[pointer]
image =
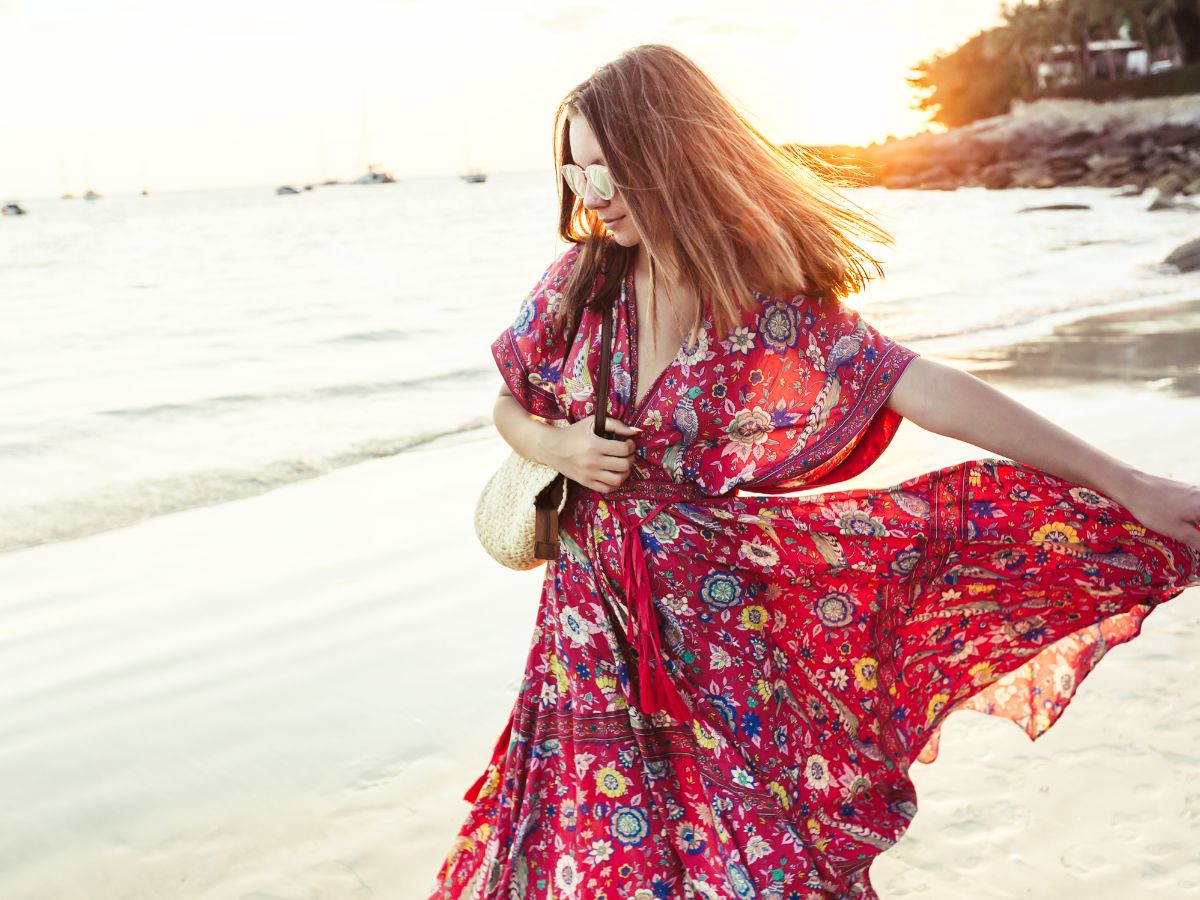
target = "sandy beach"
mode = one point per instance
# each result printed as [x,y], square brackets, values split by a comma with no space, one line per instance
[354,619]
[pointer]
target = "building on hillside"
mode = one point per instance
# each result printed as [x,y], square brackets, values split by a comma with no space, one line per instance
[1059,65]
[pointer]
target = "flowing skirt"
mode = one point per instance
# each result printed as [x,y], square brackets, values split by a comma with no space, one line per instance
[811,647]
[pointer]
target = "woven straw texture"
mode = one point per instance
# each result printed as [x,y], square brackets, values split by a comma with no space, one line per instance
[504,514]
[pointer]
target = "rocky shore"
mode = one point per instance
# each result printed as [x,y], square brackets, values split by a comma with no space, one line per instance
[1139,144]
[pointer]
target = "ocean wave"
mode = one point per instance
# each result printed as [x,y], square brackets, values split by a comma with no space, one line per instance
[210,405]
[123,504]
[382,334]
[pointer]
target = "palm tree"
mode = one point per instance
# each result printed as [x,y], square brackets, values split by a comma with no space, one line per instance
[1077,17]
[1023,34]
[1184,16]
[1107,16]
[1175,22]
[1035,27]
[1138,15]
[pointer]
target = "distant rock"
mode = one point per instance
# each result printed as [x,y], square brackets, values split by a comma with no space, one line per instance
[1186,257]
[1170,201]
[1134,144]
[1055,206]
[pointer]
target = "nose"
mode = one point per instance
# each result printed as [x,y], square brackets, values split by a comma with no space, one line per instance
[592,200]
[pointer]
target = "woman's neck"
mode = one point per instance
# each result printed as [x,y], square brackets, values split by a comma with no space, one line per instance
[673,301]
[659,274]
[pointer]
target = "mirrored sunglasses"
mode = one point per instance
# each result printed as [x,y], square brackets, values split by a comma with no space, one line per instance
[597,175]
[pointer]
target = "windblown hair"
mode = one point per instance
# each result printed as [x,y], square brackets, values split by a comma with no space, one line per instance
[717,204]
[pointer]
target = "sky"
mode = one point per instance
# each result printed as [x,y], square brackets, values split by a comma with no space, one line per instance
[117,95]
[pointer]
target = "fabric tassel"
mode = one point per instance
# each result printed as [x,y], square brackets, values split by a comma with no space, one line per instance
[656,691]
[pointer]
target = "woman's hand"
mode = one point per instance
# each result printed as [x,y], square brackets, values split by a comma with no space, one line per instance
[1164,505]
[595,462]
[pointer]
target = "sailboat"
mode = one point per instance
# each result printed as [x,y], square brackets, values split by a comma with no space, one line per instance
[373,177]
[472,174]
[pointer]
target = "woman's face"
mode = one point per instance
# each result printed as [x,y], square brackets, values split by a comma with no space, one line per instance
[585,150]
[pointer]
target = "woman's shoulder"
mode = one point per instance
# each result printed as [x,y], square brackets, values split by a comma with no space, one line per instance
[805,303]
[781,321]
[801,296]
[553,280]
[564,262]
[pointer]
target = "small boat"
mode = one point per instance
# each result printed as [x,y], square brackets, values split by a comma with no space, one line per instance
[475,176]
[286,189]
[91,195]
[373,177]
[12,209]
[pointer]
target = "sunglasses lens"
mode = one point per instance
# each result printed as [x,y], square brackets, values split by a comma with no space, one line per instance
[575,179]
[598,176]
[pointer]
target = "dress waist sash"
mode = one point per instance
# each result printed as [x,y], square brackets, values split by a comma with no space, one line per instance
[656,690]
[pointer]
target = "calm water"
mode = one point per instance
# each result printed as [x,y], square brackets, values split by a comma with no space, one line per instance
[186,349]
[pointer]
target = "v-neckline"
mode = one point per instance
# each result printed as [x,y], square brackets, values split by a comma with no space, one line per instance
[634,413]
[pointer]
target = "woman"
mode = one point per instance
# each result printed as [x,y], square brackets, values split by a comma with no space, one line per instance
[725,691]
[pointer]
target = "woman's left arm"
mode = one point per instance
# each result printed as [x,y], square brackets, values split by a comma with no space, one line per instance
[956,404]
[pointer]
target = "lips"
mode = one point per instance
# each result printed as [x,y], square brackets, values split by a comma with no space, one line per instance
[611,222]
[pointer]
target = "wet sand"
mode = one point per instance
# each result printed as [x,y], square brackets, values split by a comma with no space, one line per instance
[1158,346]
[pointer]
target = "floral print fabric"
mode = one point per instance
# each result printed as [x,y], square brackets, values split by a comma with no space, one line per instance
[816,642]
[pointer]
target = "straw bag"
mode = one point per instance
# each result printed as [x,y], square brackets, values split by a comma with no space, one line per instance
[516,517]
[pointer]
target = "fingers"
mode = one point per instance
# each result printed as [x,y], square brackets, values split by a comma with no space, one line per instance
[1191,535]
[618,449]
[604,482]
[1188,533]
[614,446]
[621,447]
[620,427]
[621,464]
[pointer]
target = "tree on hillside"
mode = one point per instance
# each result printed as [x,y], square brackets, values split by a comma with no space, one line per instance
[1184,16]
[981,77]
[1025,29]
[1031,29]
[1147,23]
[977,80]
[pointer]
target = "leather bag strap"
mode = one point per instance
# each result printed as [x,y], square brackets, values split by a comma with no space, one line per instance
[605,367]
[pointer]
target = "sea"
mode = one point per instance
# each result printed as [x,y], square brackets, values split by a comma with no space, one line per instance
[184,349]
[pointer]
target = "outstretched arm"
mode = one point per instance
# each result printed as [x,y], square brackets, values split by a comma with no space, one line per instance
[951,402]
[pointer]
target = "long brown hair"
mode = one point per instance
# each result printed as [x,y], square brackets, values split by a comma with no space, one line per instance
[715,202]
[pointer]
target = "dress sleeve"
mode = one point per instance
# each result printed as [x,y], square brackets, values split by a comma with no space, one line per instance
[844,424]
[529,352]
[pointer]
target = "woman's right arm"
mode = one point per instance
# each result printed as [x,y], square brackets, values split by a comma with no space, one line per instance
[584,457]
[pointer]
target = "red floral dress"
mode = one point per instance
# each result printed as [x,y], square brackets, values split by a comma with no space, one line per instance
[725,689]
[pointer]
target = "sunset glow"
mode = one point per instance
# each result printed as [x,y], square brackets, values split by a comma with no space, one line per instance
[261,92]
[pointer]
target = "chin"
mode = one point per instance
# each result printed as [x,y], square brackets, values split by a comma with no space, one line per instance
[624,239]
